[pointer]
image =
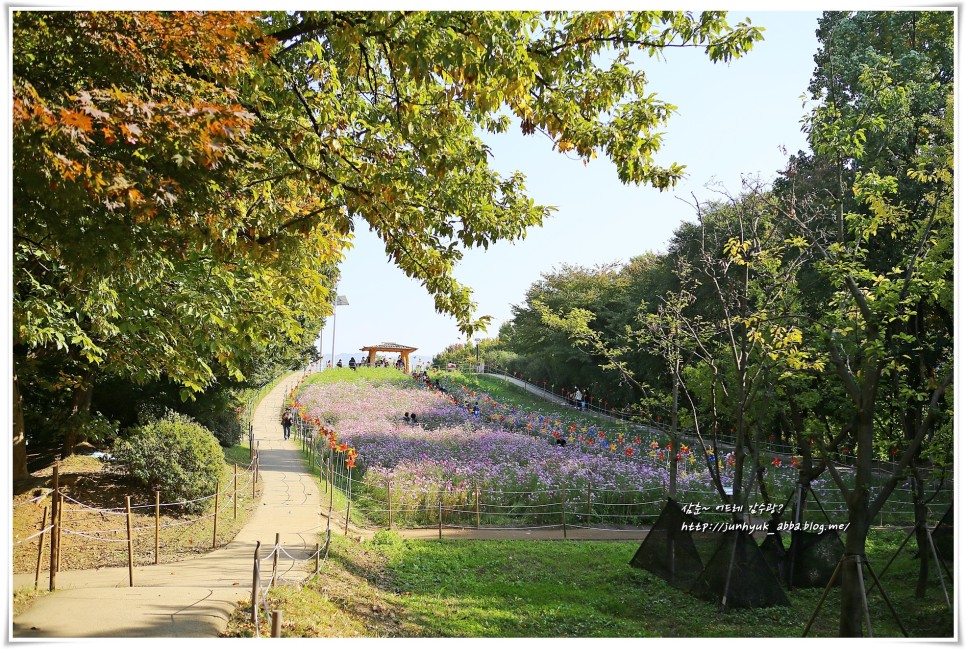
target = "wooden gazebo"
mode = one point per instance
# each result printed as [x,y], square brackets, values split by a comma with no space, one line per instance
[402,350]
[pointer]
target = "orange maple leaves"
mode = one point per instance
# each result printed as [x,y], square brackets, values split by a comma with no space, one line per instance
[154,103]
[74,119]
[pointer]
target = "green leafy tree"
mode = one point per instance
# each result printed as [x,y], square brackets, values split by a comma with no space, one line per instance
[549,351]
[185,179]
[127,261]
[746,262]
[882,240]
[493,354]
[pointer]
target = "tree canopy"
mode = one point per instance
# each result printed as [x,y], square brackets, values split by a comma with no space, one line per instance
[817,307]
[186,183]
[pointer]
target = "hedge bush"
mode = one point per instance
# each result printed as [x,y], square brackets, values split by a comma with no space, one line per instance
[174,454]
[226,426]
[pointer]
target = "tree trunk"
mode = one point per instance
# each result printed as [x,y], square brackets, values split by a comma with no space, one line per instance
[80,411]
[675,439]
[911,422]
[853,593]
[673,474]
[740,453]
[922,531]
[20,471]
[852,612]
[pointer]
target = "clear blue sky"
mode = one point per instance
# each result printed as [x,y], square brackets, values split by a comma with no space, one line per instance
[732,120]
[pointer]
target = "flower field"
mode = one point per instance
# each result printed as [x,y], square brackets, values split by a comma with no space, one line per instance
[473,461]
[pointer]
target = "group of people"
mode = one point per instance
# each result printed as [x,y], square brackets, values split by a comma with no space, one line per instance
[577,399]
[364,362]
[410,418]
[352,363]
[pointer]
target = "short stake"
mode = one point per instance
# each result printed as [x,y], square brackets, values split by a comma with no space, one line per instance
[130,542]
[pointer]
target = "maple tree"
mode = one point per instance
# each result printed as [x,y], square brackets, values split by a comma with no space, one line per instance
[128,257]
[186,183]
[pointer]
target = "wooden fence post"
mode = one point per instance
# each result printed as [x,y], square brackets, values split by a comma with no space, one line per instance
[130,543]
[234,498]
[55,530]
[255,586]
[348,506]
[587,515]
[276,624]
[275,558]
[330,469]
[214,533]
[157,524]
[477,506]
[318,551]
[40,547]
[389,500]
[563,513]
[441,517]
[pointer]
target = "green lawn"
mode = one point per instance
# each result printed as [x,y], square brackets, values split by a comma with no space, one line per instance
[374,375]
[509,392]
[392,587]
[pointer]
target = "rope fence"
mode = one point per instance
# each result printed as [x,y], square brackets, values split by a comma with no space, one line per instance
[70,518]
[264,580]
[367,502]
[482,507]
[61,517]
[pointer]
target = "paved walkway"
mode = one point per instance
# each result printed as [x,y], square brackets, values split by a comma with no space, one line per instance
[195,597]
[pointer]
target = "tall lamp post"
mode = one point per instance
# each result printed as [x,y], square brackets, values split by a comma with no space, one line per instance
[478,369]
[340,300]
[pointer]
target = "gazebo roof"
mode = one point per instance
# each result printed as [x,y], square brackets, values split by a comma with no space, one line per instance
[388,347]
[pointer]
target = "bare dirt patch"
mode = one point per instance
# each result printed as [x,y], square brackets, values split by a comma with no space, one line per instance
[94,533]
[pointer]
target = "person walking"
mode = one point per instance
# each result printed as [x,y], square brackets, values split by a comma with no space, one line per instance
[352,363]
[286,424]
[579,398]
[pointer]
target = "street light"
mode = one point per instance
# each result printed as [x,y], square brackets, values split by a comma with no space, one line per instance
[340,300]
[477,341]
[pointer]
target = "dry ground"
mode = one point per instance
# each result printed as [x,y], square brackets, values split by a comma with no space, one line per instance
[95,527]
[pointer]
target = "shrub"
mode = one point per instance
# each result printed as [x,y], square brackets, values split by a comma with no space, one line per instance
[226,426]
[174,454]
[219,410]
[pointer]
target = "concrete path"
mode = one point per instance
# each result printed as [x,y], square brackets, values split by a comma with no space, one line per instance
[193,598]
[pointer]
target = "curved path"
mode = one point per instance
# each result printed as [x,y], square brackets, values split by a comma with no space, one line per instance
[195,597]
